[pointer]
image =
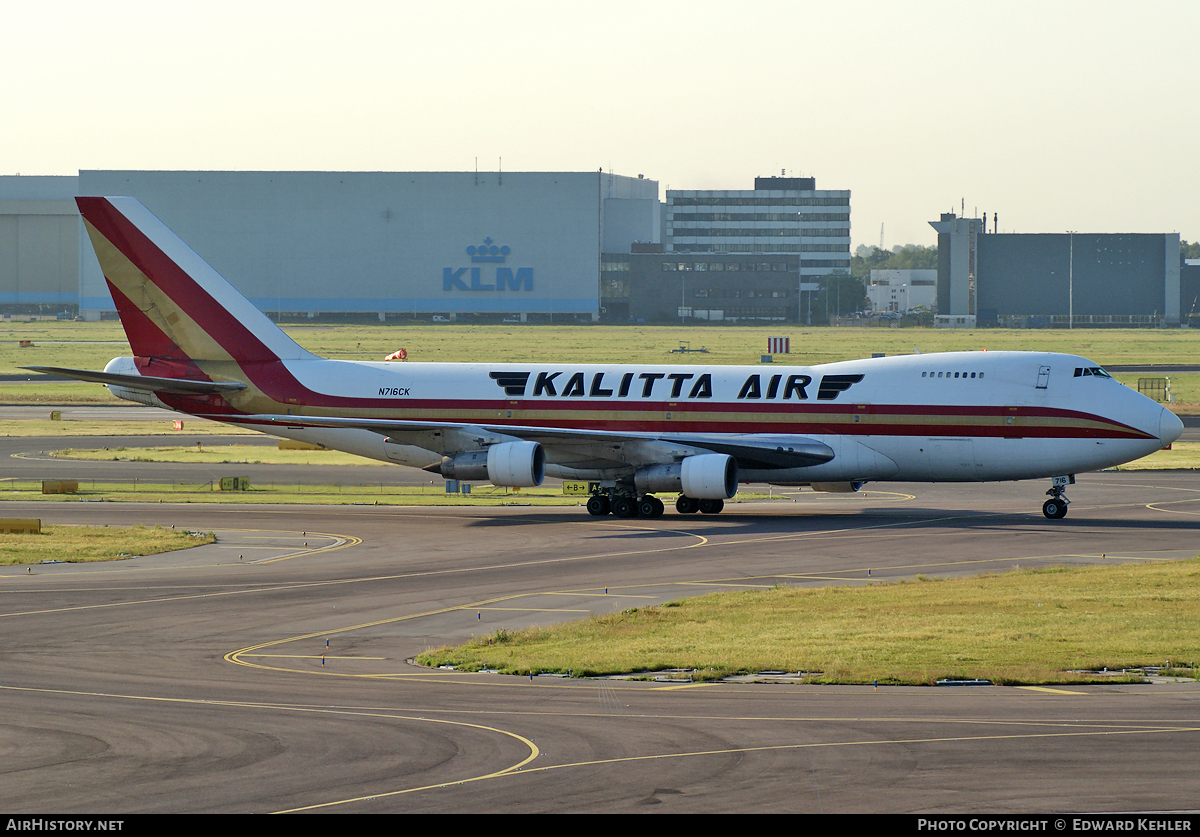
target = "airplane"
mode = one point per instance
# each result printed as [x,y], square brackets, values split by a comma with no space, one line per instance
[631,431]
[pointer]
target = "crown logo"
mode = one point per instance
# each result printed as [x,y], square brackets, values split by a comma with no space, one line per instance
[488,252]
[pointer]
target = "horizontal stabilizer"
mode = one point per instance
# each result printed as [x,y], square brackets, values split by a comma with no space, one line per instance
[144,383]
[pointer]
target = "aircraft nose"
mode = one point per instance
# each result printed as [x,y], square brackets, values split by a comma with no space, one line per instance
[1170,427]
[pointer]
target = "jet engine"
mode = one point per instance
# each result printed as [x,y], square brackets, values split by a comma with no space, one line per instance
[706,476]
[126,366]
[515,464]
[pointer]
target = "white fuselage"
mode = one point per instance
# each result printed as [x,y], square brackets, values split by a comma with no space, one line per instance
[963,416]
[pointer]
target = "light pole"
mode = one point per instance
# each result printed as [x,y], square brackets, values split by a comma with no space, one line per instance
[1071,284]
[799,290]
[682,295]
[799,272]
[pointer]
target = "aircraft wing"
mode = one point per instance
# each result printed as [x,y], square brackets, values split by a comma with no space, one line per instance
[143,383]
[581,448]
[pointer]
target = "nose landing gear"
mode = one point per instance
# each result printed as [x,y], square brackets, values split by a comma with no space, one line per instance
[1056,507]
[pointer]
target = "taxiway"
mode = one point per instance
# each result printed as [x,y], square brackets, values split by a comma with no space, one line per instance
[269,672]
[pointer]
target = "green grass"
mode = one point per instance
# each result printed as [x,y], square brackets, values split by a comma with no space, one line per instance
[1181,455]
[146,491]
[91,345]
[77,544]
[1034,626]
[219,455]
[119,427]
[1185,387]
[55,392]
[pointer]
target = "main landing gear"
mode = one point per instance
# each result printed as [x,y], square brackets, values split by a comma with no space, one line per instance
[1056,507]
[625,505]
[690,505]
[647,506]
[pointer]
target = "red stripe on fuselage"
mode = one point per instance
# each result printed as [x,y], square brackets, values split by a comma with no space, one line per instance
[675,428]
[804,421]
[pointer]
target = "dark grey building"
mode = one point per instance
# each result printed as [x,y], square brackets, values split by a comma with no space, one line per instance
[1122,279]
[663,287]
[1189,291]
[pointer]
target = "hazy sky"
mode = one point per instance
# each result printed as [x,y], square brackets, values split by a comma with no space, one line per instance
[1080,116]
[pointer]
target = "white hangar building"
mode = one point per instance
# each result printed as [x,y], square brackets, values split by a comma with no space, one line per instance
[379,243]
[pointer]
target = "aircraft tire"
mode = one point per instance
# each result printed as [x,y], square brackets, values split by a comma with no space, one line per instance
[650,507]
[1054,509]
[598,505]
[687,505]
[711,506]
[624,507]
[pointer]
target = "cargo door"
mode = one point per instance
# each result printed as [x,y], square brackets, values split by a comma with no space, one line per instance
[953,460]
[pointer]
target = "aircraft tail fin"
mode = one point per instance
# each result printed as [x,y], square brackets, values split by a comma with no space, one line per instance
[172,304]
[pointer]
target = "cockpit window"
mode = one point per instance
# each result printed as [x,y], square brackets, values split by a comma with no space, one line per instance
[1086,371]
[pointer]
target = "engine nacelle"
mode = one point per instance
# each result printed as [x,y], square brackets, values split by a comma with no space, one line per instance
[710,476]
[471,465]
[126,366]
[514,464]
[838,487]
[706,476]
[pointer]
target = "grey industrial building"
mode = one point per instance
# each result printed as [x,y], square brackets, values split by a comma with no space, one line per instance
[521,244]
[39,243]
[1057,279]
[546,245]
[515,244]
